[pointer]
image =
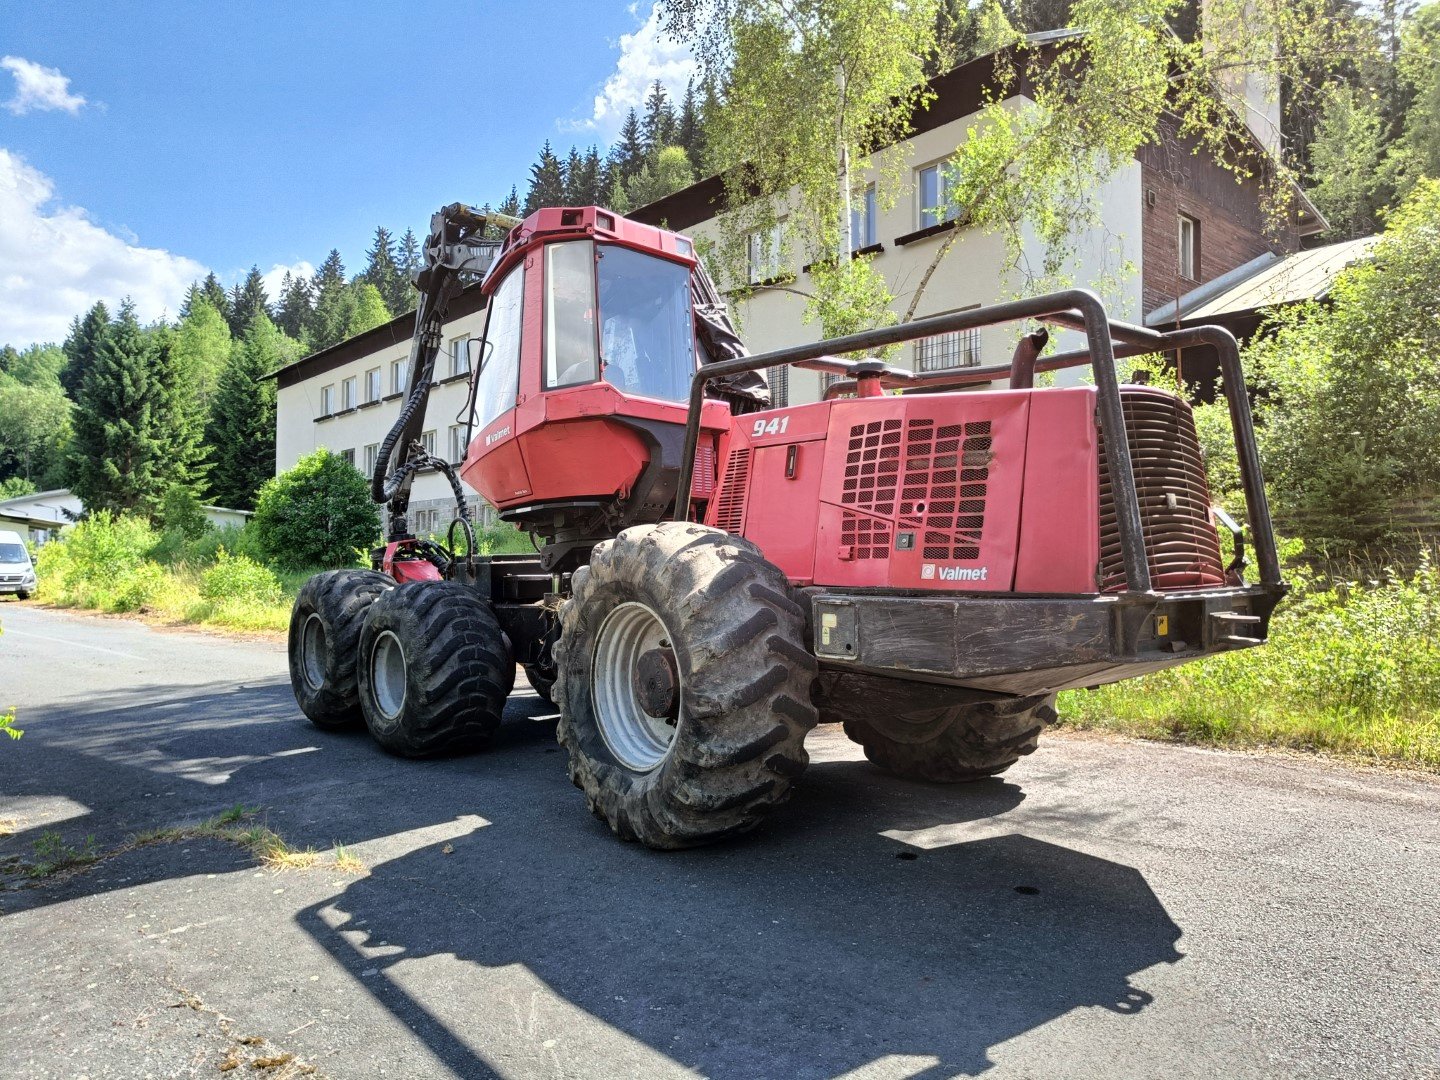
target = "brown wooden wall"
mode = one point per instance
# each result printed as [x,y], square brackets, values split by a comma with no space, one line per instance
[1232,225]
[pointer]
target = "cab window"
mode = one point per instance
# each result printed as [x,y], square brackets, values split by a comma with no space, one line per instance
[570,341]
[647,333]
[500,365]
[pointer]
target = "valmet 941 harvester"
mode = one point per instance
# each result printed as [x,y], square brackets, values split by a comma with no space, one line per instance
[714,576]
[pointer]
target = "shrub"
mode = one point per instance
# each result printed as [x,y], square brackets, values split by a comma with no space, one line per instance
[93,555]
[315,514]
[237,577]
[133,589]
[181,513]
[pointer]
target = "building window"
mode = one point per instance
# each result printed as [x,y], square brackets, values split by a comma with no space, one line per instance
[460,355]
[327,400]
[1189,248]
[348,456]
[958,349]
[779,385]
[372,384]
[399,375]
[427,440]
[372,454]
[862,219]
[347,393]
[932,189]
[457,443]
[764,254]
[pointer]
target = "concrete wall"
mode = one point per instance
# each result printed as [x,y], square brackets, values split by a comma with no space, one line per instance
[302,426]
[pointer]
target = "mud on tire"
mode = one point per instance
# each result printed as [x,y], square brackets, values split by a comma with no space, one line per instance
[325,626]
[953,744]
[744,679]
[435,670]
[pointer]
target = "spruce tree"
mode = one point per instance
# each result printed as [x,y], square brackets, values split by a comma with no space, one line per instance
[511,203]
[367,311]
[201,350]
[574,182]
[179,419]
[253,300]
[382,271]
[589,184]
[85,337]
[334,304]
[213,291]
[688,132]
[293,310]
[236,297]
[628,153]
[658,127]
[117,453]
[547,181]
[241,435]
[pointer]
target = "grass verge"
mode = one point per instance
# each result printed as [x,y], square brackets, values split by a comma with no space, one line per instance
[53,855]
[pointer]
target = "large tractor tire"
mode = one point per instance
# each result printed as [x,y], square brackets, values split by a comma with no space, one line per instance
[325,626]
[541,681]
[683,685]
[435,670]
[954,744]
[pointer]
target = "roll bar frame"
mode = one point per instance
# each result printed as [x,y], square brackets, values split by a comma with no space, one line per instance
[1106,339]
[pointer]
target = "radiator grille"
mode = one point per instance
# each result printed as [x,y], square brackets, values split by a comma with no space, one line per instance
[922,476]
[1181,544]
[730,507]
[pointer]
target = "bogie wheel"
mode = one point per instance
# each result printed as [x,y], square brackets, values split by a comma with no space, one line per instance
[435,670]
[325,626]
[955,744]
[683,685]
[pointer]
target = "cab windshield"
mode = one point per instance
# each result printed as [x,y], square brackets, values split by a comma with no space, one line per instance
[620,315]
[647,335]
[14,553]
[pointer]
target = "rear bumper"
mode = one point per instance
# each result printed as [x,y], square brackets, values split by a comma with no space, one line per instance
[1030,644]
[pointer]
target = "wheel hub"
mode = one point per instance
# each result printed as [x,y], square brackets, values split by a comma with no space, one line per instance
[657,683]
[312,651]
[636,687]
[388,675]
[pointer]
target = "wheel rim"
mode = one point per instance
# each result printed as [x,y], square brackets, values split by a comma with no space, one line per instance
[387,675]
[312,651]
[637,739]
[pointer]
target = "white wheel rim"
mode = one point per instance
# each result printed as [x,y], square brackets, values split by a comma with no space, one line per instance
[637,740]
[312,651]
[388,675]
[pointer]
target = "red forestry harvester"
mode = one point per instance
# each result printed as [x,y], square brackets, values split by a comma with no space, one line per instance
[714,576]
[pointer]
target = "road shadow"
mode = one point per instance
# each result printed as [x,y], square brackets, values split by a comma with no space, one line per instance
[808,950]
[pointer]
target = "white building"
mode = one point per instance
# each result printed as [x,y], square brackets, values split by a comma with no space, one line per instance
[1176,217]
[347,397]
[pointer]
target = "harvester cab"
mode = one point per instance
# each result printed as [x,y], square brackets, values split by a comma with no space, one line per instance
[713,575]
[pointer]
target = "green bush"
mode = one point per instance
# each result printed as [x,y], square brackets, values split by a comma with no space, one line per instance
[315,514]
[91,556]
[135,588]
[237,577]
[182,514]
[176,549]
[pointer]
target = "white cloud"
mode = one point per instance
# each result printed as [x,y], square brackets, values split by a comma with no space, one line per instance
[39,89]
[276,274]
[55,262]
[645,55]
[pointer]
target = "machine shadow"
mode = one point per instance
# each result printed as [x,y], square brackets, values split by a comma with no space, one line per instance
[124,765]
[808,950]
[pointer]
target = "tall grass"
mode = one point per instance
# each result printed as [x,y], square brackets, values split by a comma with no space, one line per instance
[1351,667]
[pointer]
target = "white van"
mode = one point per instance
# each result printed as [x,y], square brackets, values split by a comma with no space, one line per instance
[17,575]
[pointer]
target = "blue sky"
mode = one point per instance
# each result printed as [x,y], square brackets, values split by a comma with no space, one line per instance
[143,143]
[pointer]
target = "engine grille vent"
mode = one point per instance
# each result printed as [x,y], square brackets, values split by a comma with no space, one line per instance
[730,508]
[1181,544]
[927,478]
[702,486]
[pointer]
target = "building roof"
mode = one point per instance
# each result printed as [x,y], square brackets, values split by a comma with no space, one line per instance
[29,521]
[1268,281]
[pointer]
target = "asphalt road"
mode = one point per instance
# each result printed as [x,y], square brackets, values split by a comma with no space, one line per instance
[1108,909]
